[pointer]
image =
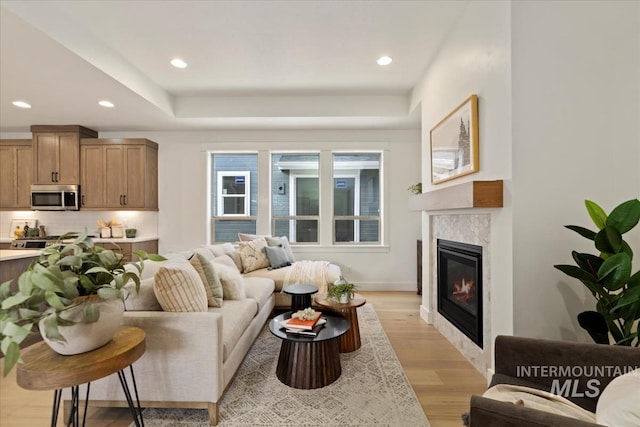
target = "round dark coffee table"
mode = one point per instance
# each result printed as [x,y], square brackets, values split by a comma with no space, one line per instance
[300,296]
[308,362]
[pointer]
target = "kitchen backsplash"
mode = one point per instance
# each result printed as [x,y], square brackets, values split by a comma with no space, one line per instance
[57,223]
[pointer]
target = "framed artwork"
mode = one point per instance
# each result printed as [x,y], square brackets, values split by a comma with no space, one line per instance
[454,143]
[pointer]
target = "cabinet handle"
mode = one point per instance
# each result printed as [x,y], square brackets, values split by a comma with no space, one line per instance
[124,197]
[121,200]
[57,177]
[82,200]
[53,177]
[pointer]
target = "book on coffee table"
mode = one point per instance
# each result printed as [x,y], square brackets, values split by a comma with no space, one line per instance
[296,327]
[307,332]
[297,323]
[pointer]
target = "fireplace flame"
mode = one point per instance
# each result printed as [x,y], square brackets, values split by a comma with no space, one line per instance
[464,291]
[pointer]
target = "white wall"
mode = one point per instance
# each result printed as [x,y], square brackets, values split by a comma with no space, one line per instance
[183,194]
[576,136]
[475,59]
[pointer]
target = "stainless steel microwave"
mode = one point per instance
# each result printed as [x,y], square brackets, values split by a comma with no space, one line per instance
[55,197]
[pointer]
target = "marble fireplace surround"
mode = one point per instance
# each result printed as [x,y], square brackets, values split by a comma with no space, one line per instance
[453,215]
[473,229]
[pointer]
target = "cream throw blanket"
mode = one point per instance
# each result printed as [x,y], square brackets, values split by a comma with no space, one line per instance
[308,273]
[540,400]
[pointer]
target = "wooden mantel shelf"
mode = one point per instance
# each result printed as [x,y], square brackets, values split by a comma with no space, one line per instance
[471,194]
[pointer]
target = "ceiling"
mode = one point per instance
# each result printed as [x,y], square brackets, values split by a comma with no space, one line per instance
[252,64]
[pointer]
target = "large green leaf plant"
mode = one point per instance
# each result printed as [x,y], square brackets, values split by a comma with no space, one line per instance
[72,272]
[608,275]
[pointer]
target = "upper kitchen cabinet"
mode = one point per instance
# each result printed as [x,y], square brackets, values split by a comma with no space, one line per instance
[56,153]
[119,174]
[16,160]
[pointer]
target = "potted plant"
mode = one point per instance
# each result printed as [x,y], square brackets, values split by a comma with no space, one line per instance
[416,188]
[65,287]
[608,275]
[342,291]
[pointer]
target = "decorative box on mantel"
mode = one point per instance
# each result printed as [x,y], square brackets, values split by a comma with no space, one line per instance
[471,194]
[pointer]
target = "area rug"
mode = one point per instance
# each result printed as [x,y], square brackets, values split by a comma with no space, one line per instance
[373,390]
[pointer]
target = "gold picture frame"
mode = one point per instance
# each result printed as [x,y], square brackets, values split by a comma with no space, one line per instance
[454,143]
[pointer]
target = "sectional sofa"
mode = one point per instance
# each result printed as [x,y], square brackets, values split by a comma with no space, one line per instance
[193,351]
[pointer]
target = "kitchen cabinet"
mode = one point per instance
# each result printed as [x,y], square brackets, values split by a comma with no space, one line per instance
[127,249]
[56,153]
[16,161]
[119,174]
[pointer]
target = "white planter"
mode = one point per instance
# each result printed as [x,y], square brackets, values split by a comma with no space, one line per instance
[344,298]
[83,337]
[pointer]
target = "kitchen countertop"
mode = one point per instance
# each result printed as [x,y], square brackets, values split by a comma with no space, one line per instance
[100,240]
[10,254]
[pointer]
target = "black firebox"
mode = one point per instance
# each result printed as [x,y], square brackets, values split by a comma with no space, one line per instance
[460,286]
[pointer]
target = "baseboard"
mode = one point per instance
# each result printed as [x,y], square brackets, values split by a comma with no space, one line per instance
[426,314]
[386,286]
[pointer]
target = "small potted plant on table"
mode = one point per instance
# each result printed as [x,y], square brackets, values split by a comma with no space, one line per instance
[342,291]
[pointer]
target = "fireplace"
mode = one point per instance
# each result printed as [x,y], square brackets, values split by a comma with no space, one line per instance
[459,271]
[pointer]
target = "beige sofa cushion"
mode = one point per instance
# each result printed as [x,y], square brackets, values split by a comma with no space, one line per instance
[236,315]
[178,287]
[260,289]
[143,300]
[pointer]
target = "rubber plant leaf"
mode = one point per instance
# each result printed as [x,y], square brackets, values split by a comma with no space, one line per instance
[594,323]
[597,214]
[587,262]
[615,271]
[609,240]
[584,232]
[625,216]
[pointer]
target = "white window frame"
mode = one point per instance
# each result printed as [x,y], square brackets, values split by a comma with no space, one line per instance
[292,200]
[355,174]
[246,195]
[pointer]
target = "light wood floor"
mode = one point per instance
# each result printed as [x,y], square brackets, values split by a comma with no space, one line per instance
[442,379]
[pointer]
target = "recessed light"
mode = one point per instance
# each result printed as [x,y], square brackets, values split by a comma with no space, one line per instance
[178,63]
[21,104]
[384,60]
[107,104]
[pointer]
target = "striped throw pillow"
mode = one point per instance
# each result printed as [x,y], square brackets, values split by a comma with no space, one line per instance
[178,287]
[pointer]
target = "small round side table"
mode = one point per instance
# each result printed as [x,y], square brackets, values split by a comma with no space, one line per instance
[300,296]
[351,340]
[44,369]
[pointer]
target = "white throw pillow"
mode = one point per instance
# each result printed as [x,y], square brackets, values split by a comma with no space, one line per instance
[619,403]
[178,287]
[233,286]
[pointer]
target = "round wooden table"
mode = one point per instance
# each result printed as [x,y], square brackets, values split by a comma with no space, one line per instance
[44,369]
[307,362]
[300,296]
[351,340]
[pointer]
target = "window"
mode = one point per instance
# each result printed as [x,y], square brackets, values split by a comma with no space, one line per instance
[356,198]
[320,197]
[295,196]
[234,195]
